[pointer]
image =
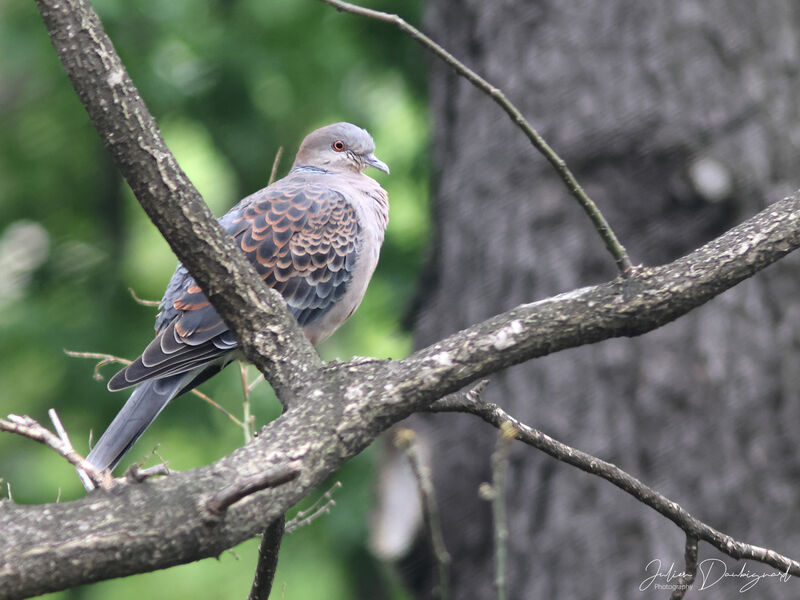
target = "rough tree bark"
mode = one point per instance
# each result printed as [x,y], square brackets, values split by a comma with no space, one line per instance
[679,119]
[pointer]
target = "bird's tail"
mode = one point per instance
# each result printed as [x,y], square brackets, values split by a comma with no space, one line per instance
[147,400]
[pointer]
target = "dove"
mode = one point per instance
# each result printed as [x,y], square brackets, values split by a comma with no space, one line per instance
[314,236]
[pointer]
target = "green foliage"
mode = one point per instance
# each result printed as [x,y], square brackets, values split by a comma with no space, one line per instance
[229,83]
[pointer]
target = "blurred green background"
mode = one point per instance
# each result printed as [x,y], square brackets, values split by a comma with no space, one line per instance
[228,82]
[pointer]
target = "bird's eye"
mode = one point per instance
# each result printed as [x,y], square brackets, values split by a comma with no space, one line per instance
[338,145]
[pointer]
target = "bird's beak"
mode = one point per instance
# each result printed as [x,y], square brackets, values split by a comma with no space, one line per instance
[373,161]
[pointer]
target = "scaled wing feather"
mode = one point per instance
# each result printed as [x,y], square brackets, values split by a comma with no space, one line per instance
[302,239]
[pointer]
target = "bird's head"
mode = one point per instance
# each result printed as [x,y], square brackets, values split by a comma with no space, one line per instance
[339,147]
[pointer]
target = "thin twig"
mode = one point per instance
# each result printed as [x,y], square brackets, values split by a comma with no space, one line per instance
[321,506]
[494,415]
[31,429]
[59,427]
[404,440]
[87,481]
[105,359]
[140,300]
[137,474]
[275,164]
[499,477]
[267,560]
[247,419]
[259,378]
[219,407]
[685,581]
[613,245]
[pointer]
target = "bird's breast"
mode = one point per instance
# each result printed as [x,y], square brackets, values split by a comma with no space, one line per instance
[372,211]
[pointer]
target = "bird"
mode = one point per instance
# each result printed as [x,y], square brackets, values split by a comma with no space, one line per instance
[314,236]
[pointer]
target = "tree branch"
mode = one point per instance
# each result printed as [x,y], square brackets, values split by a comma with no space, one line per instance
[615,248]
[620,308]
[33,430]
[498,498]
[404,440]
[321,506]
[686,580]
[267,560]
[266,333]
[693,527]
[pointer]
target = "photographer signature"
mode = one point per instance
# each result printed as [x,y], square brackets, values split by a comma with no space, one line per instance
[709,573]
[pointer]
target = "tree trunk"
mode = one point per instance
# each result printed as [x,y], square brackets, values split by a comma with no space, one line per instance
[679,119]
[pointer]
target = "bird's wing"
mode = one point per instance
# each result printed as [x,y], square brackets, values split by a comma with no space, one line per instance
[302,239]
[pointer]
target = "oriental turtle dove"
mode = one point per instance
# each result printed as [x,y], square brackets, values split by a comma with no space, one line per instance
[314,236]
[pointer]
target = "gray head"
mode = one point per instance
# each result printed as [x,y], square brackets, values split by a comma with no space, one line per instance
[339,147]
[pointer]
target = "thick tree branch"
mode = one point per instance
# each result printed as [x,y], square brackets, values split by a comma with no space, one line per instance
[620,308]
[267,335]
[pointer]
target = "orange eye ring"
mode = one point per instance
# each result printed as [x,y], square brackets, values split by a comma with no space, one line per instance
[338,145]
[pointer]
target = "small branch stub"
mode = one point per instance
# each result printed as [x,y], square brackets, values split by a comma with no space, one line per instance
[685,581]
[136,474]
[246,485]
